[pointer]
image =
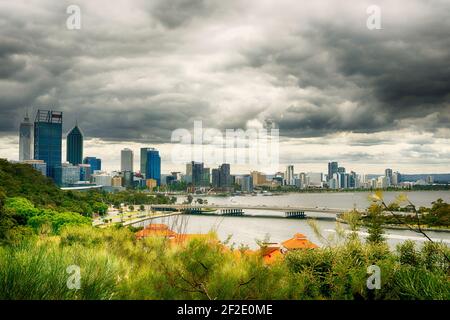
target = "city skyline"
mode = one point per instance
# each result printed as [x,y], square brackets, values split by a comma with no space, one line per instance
[378,99]
[126,155]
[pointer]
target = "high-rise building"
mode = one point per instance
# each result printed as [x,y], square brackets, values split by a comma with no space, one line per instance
[25,139]
[396,178]
[388,175]
[341,170]
[352,180]
[75,146]
[153,165]
[258,178]
[96,163]
[332,169]
[127,181]
[48,138]
[289,176]
[144,160]
[314,179]
[247,183]
[342,180]
[85,172]
[194,173]
[215,178]
[66,174]
[206,177]
[126,160]
[382,182]
[224,175]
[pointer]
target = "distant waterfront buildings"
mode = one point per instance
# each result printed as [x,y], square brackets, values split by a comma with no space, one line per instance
[96,163]
[126,160]
[259,179]
[48,138]
[224,176]
[289,176]
[332,169]
[388,174]
[194,173]
[75,146]
[25,139]
[245,182]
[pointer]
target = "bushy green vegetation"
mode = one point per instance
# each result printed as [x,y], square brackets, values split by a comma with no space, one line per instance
[21,180]
[114,265]
[39,241]
[436,216]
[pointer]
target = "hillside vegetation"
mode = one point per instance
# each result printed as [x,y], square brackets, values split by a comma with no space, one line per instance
[42,239]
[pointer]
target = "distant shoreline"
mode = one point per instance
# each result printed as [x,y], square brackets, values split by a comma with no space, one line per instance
[278,193]
[403,227]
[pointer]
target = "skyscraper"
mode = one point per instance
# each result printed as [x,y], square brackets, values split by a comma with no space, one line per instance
[224,175]
[332,169]
[96,163]
[195,172]
[153,165]
[215,175]
[144,160]
[289,176]
[126,160]
[48,138]
[388,174]
[75,146]
[25,139]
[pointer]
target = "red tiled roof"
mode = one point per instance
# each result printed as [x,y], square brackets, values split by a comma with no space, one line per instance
[299,241]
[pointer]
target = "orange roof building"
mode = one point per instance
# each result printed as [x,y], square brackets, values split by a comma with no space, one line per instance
[299,241]
[273,252]
[270,252]
[161,230]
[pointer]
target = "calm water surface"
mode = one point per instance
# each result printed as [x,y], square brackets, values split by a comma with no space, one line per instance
[245,230]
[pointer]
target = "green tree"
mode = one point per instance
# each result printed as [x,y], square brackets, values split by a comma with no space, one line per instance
[374,224]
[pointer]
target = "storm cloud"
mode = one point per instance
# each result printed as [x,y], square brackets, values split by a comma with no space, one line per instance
[137,70]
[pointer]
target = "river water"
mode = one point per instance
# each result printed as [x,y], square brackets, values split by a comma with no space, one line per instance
[246,230]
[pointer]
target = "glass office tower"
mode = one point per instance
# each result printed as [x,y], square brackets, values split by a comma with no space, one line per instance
[153,165]
[96,163]
[75,146]
[48,138]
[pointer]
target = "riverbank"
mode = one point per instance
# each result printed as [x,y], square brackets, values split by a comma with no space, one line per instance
[404,227]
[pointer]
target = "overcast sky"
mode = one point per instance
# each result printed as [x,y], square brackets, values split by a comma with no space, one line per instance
[137,70]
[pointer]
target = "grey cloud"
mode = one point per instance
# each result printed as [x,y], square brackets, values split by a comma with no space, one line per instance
[355,81]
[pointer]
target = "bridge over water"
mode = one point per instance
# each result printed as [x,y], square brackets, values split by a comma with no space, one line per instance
[191,207]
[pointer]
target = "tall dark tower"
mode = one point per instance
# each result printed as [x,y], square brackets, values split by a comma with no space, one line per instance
[25,139]
[75,146]
[48,138]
